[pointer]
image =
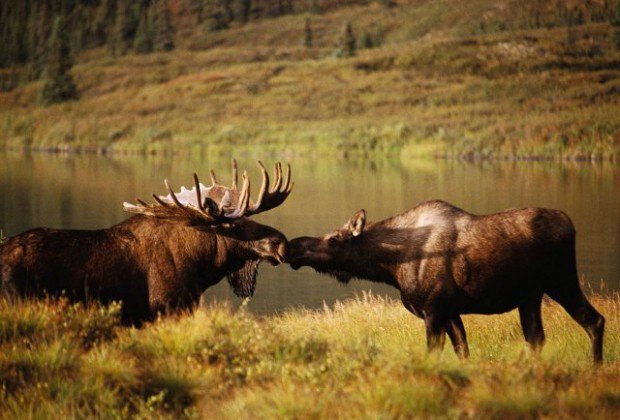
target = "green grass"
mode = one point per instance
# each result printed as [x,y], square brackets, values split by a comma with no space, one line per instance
[438,85]
[363,358]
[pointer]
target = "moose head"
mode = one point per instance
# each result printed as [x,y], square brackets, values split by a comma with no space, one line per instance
[223,212]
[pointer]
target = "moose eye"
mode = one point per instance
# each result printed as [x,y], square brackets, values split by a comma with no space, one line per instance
[332,240]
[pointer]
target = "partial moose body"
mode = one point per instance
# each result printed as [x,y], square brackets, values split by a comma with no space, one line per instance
[447,262]
[157,261]
[131,262]
[484,264]
[36,262]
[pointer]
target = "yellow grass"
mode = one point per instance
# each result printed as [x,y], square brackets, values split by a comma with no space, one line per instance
[362,358]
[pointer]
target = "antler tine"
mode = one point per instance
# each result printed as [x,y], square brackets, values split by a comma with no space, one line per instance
[181,205]
[198,193]
[142,203]
[173,195]
[274,195]
[278,176]
[287,183]
[245,197]
[243,200]
[213,178]
[160,201]
[234,174]
[264,186]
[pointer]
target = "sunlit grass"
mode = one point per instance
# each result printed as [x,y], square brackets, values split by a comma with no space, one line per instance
[361,358]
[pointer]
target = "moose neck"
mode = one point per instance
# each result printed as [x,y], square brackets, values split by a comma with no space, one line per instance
[373,259]
[232,253]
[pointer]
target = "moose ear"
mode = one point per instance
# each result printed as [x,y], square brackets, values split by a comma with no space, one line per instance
[356,224]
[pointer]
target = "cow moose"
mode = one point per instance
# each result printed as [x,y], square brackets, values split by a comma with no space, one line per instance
[447,262]
[160,259]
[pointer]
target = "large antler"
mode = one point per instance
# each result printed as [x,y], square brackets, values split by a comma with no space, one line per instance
[217,203]
[268,199]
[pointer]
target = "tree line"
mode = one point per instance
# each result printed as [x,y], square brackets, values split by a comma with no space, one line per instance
[125,25]
[146,25]
[27,25]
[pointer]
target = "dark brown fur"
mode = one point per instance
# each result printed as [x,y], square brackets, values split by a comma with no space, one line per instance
[151,265]
[447,262]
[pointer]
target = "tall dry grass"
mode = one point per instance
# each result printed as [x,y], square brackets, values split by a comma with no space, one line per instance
[362,358]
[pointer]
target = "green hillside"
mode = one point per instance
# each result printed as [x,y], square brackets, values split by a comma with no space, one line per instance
[477,79]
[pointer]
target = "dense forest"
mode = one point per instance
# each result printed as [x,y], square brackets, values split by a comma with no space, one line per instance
[149,25]
[123,25]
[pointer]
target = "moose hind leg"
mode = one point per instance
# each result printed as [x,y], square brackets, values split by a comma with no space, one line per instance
[456,332]
[579,308]
[531,323]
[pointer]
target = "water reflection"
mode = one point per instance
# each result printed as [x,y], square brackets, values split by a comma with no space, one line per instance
[86,192]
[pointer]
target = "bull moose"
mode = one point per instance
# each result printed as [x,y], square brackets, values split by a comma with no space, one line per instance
[447,262]
[161,259]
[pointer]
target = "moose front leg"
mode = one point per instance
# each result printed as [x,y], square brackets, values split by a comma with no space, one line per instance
[435,332]
[436,326]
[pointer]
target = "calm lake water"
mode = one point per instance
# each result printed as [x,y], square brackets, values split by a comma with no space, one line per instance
[86,192]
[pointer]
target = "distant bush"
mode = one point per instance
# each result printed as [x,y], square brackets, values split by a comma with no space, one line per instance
[365,41]
[307,34]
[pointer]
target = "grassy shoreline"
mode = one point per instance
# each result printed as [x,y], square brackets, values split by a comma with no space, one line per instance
[362,358]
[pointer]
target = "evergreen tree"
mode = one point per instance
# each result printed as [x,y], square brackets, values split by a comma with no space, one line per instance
[125,27]
[615,37]
[615,29]
[615,20]
[572,37]
[315,7]
[307,34]
[241,10]
[163,28]
[59,85]
[216,16]
[196,8]
[579,17]
[38,37]
[227,6]
[388,3]
[285,7]
[143,43]
[106,14]
[346,43]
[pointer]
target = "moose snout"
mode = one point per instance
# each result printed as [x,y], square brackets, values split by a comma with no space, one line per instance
[298,249]
[274,251]
[281,252]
